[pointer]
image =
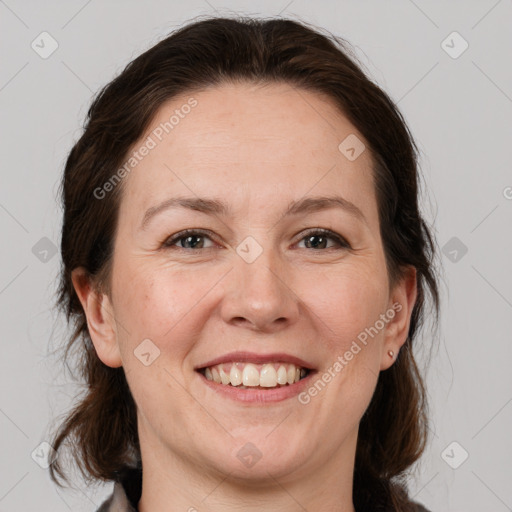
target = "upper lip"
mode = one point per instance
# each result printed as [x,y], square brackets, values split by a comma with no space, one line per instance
[251,357]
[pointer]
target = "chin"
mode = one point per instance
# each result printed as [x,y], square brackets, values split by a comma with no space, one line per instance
[262,454]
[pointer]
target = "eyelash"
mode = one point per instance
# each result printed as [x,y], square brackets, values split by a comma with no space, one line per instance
[169,242]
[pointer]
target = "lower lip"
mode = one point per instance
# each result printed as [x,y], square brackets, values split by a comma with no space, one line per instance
[258,396]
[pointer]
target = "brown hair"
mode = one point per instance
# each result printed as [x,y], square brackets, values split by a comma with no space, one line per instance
[103,426]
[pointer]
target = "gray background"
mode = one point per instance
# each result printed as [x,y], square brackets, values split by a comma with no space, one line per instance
[459,110]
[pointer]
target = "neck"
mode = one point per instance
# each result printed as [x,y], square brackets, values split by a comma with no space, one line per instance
[171,483]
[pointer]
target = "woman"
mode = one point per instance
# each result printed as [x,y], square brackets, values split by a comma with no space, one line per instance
[245,262]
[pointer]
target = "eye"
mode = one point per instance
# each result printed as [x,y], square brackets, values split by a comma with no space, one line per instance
[317,239]
[189,237]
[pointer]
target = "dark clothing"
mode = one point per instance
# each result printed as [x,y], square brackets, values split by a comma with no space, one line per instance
[127,492]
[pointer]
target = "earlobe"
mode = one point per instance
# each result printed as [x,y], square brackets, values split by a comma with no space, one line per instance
[402,302]
[100,318]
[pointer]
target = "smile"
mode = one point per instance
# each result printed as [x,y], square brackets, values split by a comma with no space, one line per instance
[264,376]
[256,378]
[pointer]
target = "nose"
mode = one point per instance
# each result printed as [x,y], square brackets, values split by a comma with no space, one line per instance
[259,295]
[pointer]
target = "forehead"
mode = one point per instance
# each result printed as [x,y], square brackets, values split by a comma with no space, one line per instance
[250,144]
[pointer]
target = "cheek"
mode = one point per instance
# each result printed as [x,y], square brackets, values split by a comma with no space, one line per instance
[162,304]
[349,310]
[347,302]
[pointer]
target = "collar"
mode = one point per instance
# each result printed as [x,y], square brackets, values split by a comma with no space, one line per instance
[127,491]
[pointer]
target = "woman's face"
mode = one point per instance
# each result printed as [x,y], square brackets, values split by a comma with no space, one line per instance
[257,279]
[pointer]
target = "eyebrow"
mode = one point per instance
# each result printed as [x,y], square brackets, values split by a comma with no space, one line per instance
[218,207]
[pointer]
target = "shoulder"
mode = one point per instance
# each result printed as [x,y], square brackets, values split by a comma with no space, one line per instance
[106,505]
[117,501]
[127,491]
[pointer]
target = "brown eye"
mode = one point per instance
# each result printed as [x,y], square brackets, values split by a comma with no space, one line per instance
[189,239]
[315,239]
[318,239]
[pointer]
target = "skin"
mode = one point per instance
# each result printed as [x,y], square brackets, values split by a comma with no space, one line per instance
[256,148]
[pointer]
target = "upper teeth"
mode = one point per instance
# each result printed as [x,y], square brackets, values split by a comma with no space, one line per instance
[268,375]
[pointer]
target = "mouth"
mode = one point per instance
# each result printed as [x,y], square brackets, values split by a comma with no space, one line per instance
[243,375]
[252,371]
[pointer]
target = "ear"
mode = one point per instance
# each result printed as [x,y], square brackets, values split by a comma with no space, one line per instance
[100,318]
[402,301]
